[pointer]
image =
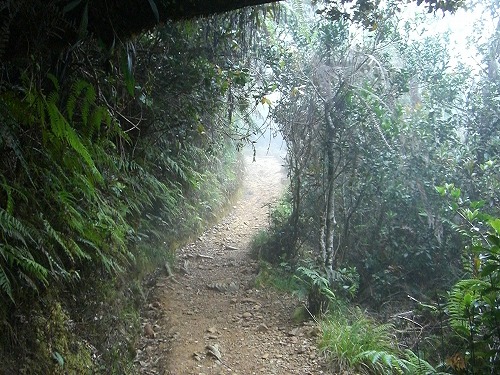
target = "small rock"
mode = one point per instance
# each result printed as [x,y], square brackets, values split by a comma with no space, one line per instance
[293,332]
[247,315]
[301,350]
[232,287]
[249,300]
[212,330]
[262,328]
[265,356]
[148,331]
[197,356]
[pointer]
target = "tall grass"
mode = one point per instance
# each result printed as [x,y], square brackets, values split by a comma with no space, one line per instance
[349,334]
[352,341]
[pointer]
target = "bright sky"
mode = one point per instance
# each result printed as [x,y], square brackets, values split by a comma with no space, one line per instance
[463,26]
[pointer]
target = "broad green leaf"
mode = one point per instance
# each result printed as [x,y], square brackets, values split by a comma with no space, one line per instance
[495,224]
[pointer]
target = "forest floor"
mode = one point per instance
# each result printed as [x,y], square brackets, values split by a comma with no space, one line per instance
[209,317]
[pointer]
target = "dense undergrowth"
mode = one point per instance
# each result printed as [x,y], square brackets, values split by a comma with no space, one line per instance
[458,334]
[91,324]
[110,158]
[393,202]
[112,151]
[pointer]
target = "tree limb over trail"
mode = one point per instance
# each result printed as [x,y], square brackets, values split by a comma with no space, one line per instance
[47,27]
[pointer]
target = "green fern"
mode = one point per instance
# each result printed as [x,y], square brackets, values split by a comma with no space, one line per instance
[47,106]
[87,101]
[176,169]
[13,229]
[5,285]
[59,239]
[20,259]
[418,366]
[381,362]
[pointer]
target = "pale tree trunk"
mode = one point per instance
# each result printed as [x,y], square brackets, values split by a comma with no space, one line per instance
[329,216]
[334,112]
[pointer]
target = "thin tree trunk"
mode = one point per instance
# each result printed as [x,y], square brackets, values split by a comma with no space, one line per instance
[330,191]
[295,188]
[334,112]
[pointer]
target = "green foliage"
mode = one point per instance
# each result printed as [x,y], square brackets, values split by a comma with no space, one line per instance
[35,247]
[474,302]
[107,163]
[398,117]
[275,243]
[353,341]
[319,292]
[279,277]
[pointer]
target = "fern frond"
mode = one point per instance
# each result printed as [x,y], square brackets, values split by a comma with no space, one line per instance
[461,299]
[418,366]
[97,117]
[58,238]
[87,101]
[34,268]
[383,361]
[20,258]
[176,169]
[5,285]
[63,131]
[109,263]
[77,250]
[13,228]
[86,187]
[22,276]
[75,142]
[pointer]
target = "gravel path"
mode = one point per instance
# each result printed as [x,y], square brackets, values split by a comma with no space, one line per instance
[209,317]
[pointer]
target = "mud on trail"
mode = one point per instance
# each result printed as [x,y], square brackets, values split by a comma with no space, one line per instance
[209,317]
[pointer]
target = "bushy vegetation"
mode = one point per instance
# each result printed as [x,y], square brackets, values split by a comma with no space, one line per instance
[354,341]
[380,125]
[114,147]
[109,160]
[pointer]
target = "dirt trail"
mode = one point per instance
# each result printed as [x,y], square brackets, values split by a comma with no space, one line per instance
[209,318]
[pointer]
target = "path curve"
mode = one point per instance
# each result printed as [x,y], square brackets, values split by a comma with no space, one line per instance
[209,318]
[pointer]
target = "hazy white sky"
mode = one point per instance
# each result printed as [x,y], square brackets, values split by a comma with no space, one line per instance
[467,28]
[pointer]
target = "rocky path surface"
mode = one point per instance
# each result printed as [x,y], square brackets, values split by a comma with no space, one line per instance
[210,318]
